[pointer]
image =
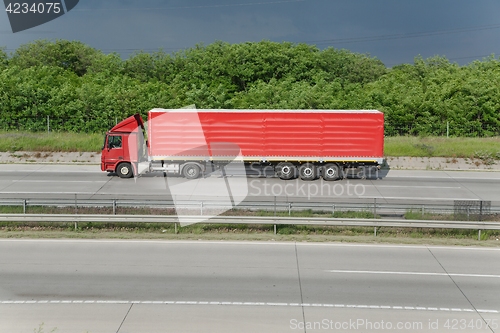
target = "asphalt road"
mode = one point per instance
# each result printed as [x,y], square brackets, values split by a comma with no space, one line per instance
[164,286]
[65,181]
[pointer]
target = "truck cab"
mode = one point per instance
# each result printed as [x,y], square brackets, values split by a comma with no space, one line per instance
[124,147]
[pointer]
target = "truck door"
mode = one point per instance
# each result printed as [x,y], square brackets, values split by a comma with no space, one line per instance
[114,151]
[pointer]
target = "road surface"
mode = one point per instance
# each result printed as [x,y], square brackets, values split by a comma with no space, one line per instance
[66,181]
[167,286]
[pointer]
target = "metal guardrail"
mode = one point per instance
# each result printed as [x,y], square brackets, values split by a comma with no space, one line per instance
[377,206]
[199,209]
[262,220]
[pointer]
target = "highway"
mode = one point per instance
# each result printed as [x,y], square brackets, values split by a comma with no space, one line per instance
[198,286]
[164,286]
[64,181]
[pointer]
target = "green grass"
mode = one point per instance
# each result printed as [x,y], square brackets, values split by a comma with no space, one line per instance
[50,142]
[249,232]
[442,147]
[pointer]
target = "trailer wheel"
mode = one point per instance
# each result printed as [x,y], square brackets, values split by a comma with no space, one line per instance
[286,170]
[307,171]
[330,171]
[124,170]
[191,171]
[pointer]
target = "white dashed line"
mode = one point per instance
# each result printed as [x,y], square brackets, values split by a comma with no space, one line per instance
[187,303]
[415,273]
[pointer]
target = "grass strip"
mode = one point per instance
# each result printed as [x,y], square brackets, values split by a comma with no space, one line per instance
[50,142]
[240,231]
[442,147]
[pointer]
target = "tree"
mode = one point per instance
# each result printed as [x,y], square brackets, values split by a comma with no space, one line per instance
[70,55]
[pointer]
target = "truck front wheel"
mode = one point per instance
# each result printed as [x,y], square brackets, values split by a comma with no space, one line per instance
[124,170]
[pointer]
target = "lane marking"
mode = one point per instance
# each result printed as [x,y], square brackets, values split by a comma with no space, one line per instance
[445,178]
[426,198]
[427,187]
[47,193]
[414,273]
[271,304]
[59,181]
[51,171]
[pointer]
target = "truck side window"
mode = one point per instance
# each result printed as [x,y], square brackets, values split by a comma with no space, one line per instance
[114,142]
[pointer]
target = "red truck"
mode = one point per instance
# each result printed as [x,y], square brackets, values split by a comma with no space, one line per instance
[295,143]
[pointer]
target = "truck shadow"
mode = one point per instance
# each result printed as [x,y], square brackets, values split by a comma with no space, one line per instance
[252,172]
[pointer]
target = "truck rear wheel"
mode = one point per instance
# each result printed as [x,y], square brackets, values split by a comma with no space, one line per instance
[286,170]
[331,171]
[191,171]
[124,170]
[307,171]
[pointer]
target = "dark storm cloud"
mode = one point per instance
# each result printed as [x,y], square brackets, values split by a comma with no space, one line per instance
[394,31]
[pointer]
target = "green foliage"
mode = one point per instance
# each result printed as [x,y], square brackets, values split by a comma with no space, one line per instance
[69,55]
[83,90]
[3,58]
[422,98]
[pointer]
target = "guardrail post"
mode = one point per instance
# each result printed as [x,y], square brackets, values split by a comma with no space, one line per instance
[274,205]
[76,205]
[175,227]
[201,208]
[423,210]
[375,231]
[76,226]
[374,207]
[275,229]
[289,209]
[333,209]
[479,235]
[24,206]
[114,207]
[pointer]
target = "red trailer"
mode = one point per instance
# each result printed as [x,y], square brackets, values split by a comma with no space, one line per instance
[303,143]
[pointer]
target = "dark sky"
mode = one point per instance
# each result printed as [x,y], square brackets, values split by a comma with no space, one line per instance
[394,31]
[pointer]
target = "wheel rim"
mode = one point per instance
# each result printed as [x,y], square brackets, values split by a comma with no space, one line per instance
[307,171]
[191,171]
[330,172]
[124,170]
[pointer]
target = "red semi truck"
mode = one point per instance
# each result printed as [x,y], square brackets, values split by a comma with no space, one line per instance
[294,143]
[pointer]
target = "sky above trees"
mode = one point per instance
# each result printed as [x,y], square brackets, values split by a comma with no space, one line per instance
[394,31]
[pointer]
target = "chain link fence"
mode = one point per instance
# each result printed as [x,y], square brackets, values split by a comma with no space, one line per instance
[58,124]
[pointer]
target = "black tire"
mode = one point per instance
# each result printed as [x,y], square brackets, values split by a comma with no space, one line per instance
[308,171]
[330,171]
[286,170]
[124,170]
[191,171]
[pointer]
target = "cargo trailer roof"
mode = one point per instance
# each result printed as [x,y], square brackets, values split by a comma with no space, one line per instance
[262,110]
